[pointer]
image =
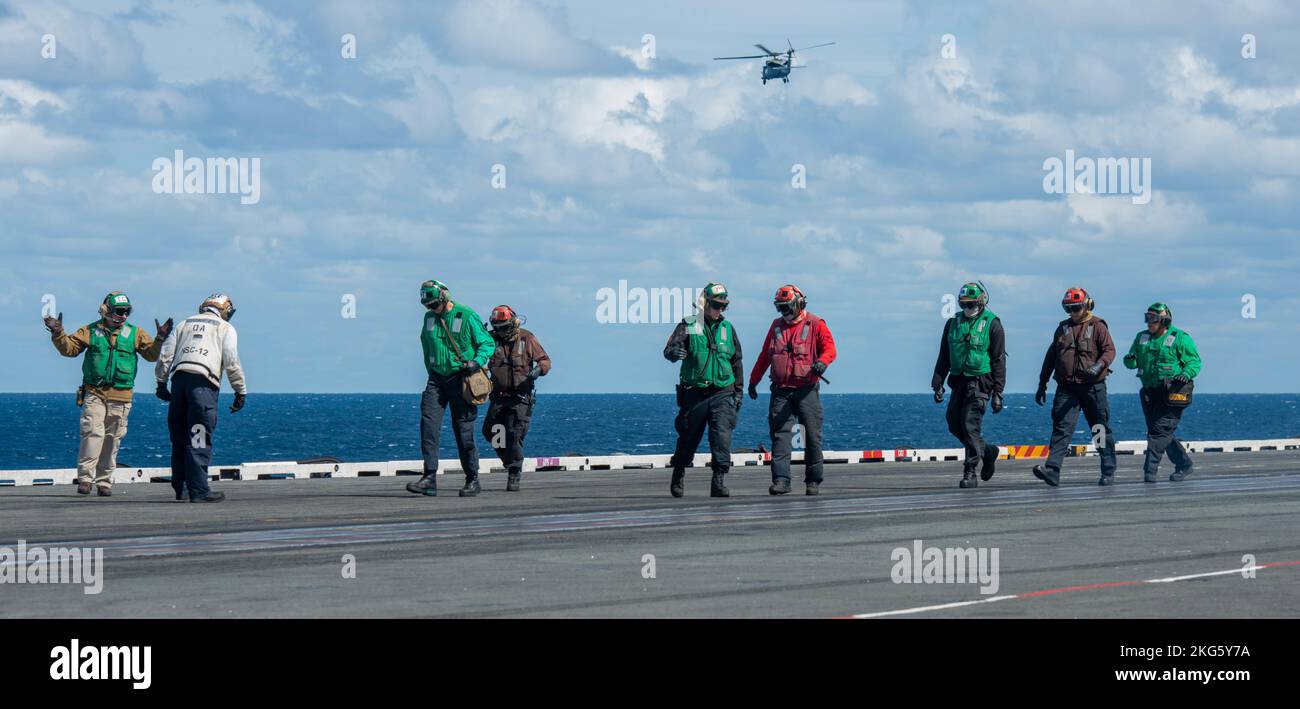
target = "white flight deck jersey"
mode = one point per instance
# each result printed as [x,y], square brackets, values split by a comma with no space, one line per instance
[203,344]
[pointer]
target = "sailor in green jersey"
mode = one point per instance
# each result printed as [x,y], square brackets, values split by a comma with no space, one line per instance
[972,356]
[108,371]
[1165,357]
[444,320]
[709,390]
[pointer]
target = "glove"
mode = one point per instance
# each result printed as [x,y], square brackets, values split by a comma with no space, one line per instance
[1182,379]
[936,382]
[469,367]
[162,392]
[164,329]
[1093,371]
[535,372]
[818,367]
[54,325]
[1040,397]
[753,391]
[997,403]
[677,353]
[239,403]
[1131,361]
[938,395]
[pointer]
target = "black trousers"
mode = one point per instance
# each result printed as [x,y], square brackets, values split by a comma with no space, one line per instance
[966,416]
[1092,399]
[1162,425]
[697,408]
[438,394]
[804,405]
[506,423]
[191,418]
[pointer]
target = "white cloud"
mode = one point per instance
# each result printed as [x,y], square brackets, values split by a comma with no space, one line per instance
[520,36]
[27,144]
[912,242]
[1192,80]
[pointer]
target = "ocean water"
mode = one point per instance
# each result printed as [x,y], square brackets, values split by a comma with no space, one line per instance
[40,430]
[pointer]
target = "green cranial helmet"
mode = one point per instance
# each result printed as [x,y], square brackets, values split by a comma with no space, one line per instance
[116,305]
[433,292]
[974,293]
[715,293]
[1164,312]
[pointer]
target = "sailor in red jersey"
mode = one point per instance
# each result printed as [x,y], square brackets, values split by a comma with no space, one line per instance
[798,348]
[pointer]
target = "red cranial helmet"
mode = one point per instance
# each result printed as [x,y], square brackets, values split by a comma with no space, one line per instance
[1076,297]
[504,320]
[789,299]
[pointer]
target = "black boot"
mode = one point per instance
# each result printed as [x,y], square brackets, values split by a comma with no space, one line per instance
[969,479]
[1180,475]
[426,485]
[512,480]
[1042,474]
[780,486]
[471,488]
[990,460]
[678,484]
[716,488]
[812,488]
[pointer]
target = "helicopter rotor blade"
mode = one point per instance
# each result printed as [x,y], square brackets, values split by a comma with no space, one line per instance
[816,46]
[765,49]
[753,56]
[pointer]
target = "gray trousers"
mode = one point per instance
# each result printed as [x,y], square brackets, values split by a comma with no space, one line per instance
[804,405]
[439,393]
[714,408]
[1092,399]
[1162,426]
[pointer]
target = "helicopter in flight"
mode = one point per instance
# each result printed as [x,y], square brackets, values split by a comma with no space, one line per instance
[778,64]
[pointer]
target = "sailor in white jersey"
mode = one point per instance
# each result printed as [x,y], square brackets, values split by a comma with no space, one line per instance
[203,347]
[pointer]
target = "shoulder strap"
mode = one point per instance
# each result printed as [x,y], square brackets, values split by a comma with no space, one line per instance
[455,347]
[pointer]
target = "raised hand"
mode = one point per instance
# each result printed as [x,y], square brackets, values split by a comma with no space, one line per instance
[54,325]
[164,329]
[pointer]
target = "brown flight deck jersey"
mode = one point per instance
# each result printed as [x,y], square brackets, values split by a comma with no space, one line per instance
[512,361]
[1075,348]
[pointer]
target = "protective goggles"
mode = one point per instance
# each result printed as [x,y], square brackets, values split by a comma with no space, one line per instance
[716,305]
[120,311]
[1072,307]
[785,308]
[1153,317]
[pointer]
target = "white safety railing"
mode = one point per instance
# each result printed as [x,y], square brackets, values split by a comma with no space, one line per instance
[289,470]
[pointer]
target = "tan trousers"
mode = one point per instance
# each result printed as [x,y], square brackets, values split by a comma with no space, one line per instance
[103,426]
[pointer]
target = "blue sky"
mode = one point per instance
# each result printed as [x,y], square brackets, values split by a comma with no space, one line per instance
[923,171]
